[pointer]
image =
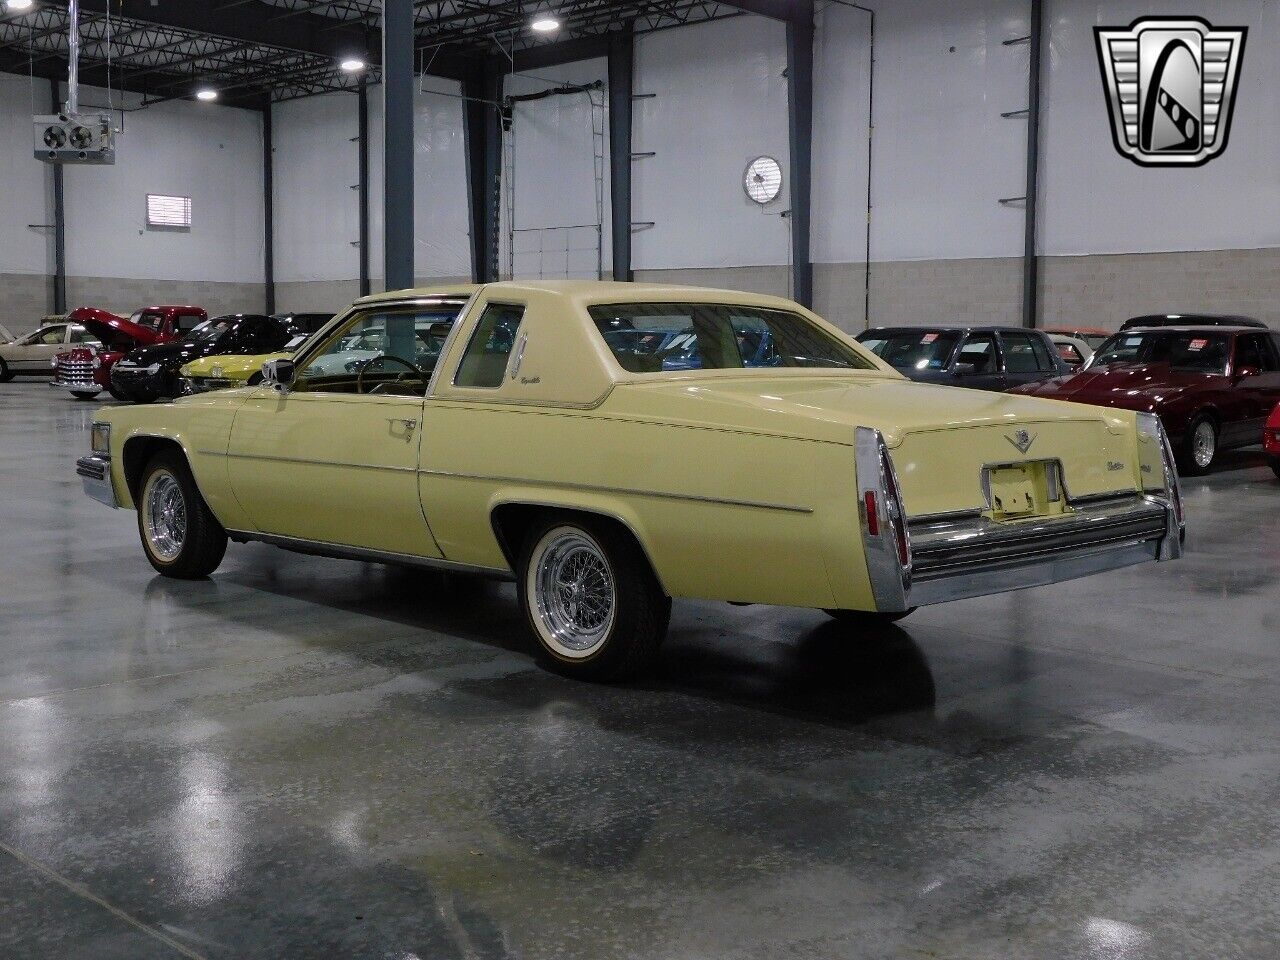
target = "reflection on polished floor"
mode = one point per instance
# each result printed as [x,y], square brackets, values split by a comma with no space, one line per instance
[319,758]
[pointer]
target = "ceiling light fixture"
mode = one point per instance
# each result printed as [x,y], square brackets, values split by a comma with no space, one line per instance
[19,6]
[352,65]
[206,94]
[545,23]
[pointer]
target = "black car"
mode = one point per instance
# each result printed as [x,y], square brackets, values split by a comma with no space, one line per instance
[987,358]
[149,373]
[301,323]
[1191,320]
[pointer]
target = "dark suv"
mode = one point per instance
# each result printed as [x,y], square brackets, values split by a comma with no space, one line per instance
[986,358]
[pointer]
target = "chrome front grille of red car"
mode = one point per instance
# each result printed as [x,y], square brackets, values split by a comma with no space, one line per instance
[74,373]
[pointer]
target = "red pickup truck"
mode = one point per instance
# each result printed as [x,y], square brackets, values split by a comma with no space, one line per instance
[86,370]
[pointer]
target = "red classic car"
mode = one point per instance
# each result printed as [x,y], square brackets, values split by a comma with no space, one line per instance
[86,371]
[1212,387]
[1271,439]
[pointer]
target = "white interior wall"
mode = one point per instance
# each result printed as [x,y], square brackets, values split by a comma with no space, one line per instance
[210,153]
[26,197]
[553,163]
[1095,201]
[441,221]
[720,101]
[316,213]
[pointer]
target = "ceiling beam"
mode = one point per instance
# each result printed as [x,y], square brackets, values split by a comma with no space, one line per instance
[788,11]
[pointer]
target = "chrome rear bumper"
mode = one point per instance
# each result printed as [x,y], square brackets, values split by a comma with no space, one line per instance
[95,474]
[970,556]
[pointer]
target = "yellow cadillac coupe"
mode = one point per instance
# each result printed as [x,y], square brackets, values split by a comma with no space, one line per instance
[610,446]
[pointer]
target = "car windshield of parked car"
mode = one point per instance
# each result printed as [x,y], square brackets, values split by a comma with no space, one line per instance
[209,331]
[913,350]
[381,351]
[656,337]
[1182,350]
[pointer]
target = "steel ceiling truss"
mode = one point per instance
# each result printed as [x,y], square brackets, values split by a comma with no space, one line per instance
[164,56]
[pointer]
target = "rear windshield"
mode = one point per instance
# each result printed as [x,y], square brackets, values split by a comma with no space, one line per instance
[148,318]
[656,337]
[916,349]
[1182,350]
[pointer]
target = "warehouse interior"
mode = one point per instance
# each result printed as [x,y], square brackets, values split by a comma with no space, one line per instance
[308,754]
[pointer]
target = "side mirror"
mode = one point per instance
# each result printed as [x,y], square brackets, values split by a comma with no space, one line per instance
[278,373]
[964,369]
[1245,372]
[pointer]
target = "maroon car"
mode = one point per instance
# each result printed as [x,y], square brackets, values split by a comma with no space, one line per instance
[1212,387]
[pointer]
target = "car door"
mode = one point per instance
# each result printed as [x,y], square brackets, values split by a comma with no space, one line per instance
[33,353]
[1255,375]
[1026,358]
[334,458]
[977,363]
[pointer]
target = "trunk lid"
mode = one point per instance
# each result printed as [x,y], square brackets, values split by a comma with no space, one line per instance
[940,437]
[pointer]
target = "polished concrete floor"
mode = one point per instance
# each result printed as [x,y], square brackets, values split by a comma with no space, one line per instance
[318,758]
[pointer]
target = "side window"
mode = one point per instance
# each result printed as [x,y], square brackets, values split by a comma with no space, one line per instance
[485,362]
[1069,353]
[979,350]
[1020,353]
[52,335]
[1270,356]
[189,321]
[1044,352]
[1250,353]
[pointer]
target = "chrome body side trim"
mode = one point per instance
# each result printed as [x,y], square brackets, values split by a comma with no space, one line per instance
[341,551]
[625,491]
[318,463]
[95,475]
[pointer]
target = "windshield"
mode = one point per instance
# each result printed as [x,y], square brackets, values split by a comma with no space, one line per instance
[1182,350]
[208,331]
[656,337]
[915,349]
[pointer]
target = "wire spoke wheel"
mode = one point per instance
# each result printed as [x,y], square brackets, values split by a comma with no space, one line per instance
[164,516]
[575,594]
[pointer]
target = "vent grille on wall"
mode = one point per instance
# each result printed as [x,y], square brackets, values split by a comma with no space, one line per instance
[169,212]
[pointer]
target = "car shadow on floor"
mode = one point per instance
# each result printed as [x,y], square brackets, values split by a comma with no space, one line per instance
[828,672]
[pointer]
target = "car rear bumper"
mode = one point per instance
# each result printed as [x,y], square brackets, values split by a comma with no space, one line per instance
[970,556]
[95,474]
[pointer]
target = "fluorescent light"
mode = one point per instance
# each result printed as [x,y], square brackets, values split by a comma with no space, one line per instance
[352,65]
[18,6]
[545,23]
[206,93]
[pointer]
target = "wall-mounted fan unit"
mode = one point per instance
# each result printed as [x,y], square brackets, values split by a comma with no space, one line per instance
[762,180]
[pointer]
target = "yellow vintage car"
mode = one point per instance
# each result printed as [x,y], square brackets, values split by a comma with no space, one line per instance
[610,446]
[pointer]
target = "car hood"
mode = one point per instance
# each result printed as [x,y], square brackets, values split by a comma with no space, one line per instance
[234,366]
[1131,386]
[169,354]
[109,328]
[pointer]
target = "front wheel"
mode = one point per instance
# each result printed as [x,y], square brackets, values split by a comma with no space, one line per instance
[5,373]
[591,599]
[1200,447]
[82,395]
[867,618]
[180,535]
[119,395]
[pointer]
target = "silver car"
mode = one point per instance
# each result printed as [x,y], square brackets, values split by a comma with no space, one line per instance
[34,353]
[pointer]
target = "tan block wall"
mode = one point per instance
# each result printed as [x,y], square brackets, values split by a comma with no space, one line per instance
[24,299]
[122,295]
[315,295]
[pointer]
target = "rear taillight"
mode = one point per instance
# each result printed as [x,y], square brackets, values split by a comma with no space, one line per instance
[893,507]
[872,512]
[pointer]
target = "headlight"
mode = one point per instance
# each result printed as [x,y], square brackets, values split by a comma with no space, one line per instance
[100,438]
[54,363]
[153,369]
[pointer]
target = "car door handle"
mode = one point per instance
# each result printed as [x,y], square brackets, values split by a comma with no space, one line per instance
[408,424]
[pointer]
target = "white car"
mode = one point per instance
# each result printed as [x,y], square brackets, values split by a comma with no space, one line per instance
[1074,352]
[34,353]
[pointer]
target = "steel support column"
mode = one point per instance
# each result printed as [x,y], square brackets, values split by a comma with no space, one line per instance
[621,88]
[397,94]
[1030,265]
[482,129]
[363,244]
[800,130]
[268,211]
[59,221]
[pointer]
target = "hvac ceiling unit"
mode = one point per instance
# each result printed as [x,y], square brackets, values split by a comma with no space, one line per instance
[75,138]
[70,136]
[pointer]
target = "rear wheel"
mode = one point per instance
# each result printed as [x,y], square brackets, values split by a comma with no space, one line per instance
[1200,447]
[180,535]
[5,373]
[591,600]
[867,618]
[122,397]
